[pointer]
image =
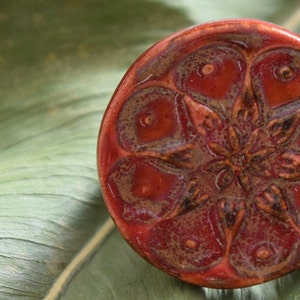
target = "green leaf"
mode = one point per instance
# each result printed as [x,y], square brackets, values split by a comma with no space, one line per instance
[60,62]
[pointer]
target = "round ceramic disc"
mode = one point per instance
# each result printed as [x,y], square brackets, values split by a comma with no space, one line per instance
[199,154]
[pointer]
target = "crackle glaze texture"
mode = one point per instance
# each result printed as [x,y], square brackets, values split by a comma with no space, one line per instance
[199,154]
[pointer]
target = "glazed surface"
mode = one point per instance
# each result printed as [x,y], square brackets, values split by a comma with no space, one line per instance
[199,154]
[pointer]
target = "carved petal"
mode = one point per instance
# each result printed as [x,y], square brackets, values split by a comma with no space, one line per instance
[220,67]
[231,213]
[282,128]
[145,187]
[246,108]
[234,139]
[291,166]
[183,156]
[204,119]
[272,201]
[148,109]
[214,166]
[219,149]
[251,140]
[225,178]
[190,199]
[262,153]
[244,180]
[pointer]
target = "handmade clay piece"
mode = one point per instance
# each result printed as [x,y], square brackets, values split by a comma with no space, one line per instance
[199,154]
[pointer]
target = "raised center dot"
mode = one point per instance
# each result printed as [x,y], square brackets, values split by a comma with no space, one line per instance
[263,253]
[148,119]
[208,69]
[191,244]
[284,73]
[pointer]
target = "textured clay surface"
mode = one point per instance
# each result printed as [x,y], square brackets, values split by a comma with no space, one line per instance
[199,154]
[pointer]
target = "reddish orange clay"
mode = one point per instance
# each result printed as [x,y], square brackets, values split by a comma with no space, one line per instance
[199,154]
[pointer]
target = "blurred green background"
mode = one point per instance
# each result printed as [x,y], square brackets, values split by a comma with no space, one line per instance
[60,62]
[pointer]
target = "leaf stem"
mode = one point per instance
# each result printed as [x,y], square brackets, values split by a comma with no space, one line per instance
[81,257]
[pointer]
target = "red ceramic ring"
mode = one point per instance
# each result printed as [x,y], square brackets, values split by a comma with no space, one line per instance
[199,154]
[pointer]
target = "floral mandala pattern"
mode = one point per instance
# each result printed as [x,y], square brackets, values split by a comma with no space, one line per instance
[264,151]
[210,164]
[238,161]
